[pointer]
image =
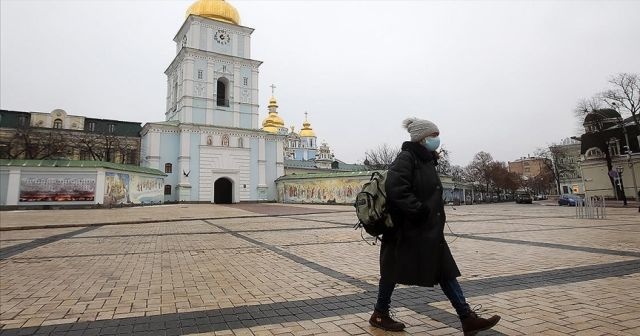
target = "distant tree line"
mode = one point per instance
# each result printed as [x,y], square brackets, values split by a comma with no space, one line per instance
[489,178]
[35,143]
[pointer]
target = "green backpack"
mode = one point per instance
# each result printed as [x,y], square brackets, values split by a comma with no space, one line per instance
[371,206]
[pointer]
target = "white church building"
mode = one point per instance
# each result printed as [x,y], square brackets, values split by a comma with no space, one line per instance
[211,144]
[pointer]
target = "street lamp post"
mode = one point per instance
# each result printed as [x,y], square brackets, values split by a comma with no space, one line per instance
[624,197]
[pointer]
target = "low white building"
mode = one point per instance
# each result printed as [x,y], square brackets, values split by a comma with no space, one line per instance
[78,183]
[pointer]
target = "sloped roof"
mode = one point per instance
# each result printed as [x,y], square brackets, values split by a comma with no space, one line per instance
[601,114]
[311,164]
[325,175]
[80,164]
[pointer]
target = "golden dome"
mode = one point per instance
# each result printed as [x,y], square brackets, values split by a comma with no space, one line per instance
[307,131]
[215,9]
[273,123]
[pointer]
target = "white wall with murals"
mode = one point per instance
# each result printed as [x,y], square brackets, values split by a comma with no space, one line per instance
[41,183]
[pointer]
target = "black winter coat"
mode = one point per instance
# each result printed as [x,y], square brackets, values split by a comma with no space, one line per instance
[415,252]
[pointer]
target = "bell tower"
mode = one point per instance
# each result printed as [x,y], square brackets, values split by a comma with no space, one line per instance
[212,80]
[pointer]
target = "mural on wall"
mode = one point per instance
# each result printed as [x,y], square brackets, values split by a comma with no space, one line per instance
[146,189]
[116,188]
[341,191]
[57,188]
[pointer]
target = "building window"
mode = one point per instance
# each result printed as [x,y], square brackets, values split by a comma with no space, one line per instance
[614,147]
[57,123]
[168,168]
[200,74]
[594,153]
[225,140]
[167,189]
[240,142]
[112,128]
[91,126]
[222,92]
[245,81]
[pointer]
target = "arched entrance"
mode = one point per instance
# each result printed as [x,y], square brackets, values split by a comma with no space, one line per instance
[223,191]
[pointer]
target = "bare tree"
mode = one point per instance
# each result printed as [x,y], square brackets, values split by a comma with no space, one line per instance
[457,173]
[34,144]
[624,94]
[497,171]
[556,162]
[540,183]
[444,161]
[103,147]
[479,170]
[586,105]
[381,157]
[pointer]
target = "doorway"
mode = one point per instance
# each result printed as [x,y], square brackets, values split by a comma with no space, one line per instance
[223,191]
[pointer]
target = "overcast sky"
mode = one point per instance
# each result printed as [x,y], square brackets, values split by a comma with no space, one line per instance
[501,76]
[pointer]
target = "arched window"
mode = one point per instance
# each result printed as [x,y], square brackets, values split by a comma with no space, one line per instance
[240,142]
[614,147]
[57,123]
[225,140]
[168,168]
[222,93]
[594,153]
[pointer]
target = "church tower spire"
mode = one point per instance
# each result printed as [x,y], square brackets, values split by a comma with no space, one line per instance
[273,123]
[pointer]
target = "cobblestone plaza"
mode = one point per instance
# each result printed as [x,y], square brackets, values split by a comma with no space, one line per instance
[272,269]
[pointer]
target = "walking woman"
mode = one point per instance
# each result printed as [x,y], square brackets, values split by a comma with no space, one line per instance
[415,252]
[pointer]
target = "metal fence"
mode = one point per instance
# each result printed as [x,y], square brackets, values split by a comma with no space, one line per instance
[593,207]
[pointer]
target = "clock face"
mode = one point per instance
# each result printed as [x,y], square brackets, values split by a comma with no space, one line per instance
[222,37]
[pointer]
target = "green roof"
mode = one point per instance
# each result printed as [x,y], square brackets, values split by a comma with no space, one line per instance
[80,164]
[325,175]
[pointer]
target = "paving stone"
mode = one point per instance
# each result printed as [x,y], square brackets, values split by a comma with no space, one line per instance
[286,270]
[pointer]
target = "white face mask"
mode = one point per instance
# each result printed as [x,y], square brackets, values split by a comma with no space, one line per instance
[431,143]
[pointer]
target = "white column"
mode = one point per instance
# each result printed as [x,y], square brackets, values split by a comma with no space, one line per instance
[184,166]
[154,150]
[187,90]
[262,163]
[13,186]
[235,103]
[100,179]
[255,113]
[280,158]
[247,47]
[194,39]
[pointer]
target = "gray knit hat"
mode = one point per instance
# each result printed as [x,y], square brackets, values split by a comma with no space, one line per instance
[419,128]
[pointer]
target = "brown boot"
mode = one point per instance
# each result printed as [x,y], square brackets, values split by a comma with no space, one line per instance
[385,322]
[472,324]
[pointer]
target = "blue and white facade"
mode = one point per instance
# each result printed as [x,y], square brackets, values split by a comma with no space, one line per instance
[211,145]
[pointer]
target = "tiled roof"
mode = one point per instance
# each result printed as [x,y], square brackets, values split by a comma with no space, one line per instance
[311,164]
[325,175]
[80,164]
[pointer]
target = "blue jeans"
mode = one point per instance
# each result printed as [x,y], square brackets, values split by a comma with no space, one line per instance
[450,288]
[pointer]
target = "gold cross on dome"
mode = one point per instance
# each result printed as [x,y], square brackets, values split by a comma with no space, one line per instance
[273,89]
